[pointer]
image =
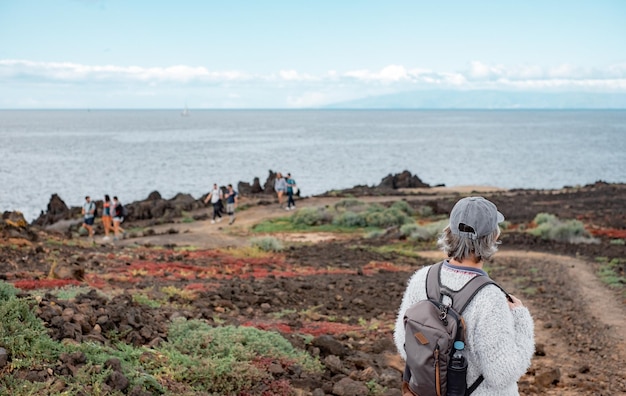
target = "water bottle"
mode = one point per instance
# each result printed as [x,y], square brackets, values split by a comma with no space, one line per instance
[457,369]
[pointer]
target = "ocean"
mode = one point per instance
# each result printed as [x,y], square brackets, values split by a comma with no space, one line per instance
[130,153]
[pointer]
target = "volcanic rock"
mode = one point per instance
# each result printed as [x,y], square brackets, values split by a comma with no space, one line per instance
[402,180]
[247,189]
[56,211]
[13,225]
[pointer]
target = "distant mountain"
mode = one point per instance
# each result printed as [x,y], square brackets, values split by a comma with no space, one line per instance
[487,100]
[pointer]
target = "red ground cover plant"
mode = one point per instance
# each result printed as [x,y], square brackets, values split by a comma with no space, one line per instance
[312,328]
[609,232]
[34,284]
[212,265]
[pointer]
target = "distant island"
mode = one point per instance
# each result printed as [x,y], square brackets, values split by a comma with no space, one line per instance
[487,99]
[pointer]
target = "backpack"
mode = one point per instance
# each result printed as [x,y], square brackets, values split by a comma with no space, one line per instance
[431,330]
[121,211]
[95,209]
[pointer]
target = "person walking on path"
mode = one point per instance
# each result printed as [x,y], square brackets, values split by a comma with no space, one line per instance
[291,187]
[280,186]
[107,220]
[118,217]
[215,196]
[89,215]
[231,203]
[499,332]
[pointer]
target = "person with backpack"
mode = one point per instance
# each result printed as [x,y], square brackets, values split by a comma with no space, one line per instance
[231,203]
[119,212]
[495,335]
[89,216]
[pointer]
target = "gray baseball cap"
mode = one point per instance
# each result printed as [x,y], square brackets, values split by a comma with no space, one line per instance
[474,217]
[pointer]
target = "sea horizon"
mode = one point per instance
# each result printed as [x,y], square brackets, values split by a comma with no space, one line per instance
[132,152]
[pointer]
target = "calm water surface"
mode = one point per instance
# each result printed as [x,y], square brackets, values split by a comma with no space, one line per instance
[131,153]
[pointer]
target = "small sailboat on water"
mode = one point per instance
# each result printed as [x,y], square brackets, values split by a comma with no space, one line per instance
[185,112]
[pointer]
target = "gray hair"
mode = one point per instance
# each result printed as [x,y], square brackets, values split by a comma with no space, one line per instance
[460,248]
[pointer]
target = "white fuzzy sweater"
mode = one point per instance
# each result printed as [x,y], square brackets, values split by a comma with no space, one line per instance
[500,341]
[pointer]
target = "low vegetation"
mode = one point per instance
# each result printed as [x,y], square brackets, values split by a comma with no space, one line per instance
[550,227]
[195,357]
[613,273]
[347,215]
[267,244]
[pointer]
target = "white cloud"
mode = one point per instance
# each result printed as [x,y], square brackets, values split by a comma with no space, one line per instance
[66,71]
[292,75]
[391,73]
[288,87]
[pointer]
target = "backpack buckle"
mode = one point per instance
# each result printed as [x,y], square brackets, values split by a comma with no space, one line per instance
[443,314]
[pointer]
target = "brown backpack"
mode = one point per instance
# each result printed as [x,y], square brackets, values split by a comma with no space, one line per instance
[431,329]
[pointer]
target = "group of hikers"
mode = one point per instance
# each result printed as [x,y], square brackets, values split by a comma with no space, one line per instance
[113,213]
[215,196]
[284,185]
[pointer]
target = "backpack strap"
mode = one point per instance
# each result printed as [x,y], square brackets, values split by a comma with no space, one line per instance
[460,298]
[433,284]
[473,387]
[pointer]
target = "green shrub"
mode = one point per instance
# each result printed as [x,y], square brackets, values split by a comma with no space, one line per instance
[141,298]
[387,218]
[267,244]
[408,229]
[373,208]
[223,357]
[613,272]
[348,203]
[403,206]
[549,227]
[428,231]
[350,219]
[7,291]
[70,292]
[23,334]
[379,219]
[310,217]
[543,218]
[425,211]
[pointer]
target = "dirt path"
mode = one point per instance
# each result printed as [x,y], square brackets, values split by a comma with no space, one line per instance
[203,234]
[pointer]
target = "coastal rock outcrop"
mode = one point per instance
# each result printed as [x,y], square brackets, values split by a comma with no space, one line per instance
[56,211]
[155,207]
[402,180]
[14,226]
[245,188]
[389,185]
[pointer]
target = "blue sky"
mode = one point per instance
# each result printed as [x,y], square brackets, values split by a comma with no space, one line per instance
[294,54]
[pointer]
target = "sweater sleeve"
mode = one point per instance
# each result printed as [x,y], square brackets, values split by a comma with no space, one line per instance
[501,339]
[414,292]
